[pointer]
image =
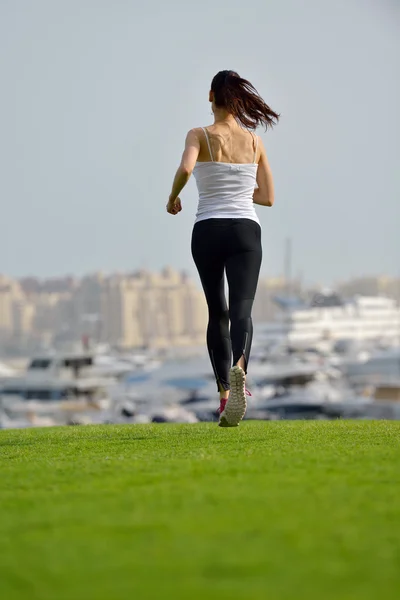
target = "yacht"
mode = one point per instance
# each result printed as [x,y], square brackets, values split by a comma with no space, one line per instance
[371,366]
[59,385]
[5,371]
[330,318]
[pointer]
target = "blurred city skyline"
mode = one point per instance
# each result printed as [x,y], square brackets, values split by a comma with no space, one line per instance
[143,308]
[65,279]
[97,98]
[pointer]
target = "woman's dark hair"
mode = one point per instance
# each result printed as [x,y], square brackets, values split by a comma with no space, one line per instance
[242,100]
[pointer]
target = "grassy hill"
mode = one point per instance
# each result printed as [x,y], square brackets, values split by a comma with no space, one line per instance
[279,510]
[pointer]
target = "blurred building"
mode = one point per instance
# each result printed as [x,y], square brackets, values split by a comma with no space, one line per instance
[371,286]
[9,293]
[157,310]
[265,308]
[141,309]
[132,310]
[23,316]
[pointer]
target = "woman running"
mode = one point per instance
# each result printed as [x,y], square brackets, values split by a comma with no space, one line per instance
[232,173]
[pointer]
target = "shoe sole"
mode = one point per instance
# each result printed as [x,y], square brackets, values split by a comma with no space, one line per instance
[236,406]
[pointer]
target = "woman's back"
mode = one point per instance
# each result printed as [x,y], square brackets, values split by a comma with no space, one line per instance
[229,143]
[226,172]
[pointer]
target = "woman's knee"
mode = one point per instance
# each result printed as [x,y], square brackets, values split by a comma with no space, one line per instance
[241,310]
[218,316]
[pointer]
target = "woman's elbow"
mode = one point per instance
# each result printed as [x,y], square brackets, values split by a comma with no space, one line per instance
[185,170]
[270,201]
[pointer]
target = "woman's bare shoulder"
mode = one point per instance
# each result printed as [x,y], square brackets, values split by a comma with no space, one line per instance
[199,131]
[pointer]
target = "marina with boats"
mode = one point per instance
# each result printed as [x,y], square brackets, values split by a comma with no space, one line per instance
[329,359]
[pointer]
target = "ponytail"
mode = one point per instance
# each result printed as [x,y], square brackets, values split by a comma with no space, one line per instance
[241,99]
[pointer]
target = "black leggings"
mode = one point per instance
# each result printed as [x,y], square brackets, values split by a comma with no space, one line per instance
[234,246]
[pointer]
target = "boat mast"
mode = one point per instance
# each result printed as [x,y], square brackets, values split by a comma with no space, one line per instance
[288,283]
[288,267]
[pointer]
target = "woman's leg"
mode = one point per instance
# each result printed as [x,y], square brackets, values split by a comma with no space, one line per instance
[242,270]
[210,265]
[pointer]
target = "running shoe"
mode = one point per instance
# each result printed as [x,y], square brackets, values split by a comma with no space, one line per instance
[235,407]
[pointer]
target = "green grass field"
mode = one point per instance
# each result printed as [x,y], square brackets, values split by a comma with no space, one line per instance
[279,510]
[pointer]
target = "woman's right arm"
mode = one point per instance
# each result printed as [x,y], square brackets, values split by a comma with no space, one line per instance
[264,193]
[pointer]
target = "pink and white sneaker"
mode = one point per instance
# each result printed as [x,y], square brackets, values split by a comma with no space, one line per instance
[235,408]
[222,404]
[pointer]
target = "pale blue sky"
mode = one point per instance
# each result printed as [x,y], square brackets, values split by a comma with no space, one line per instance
[97,96]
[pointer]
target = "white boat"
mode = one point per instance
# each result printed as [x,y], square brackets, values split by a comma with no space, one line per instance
[174,414]
[121,364]
[56,387]
[5,371]
[372,365]
[330,318]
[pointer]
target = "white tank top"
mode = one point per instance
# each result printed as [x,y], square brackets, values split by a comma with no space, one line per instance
[225,189]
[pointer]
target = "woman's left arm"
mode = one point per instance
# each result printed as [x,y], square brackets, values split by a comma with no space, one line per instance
[185,169]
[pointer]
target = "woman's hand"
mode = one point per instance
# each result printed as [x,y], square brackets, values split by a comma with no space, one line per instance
[174,205]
